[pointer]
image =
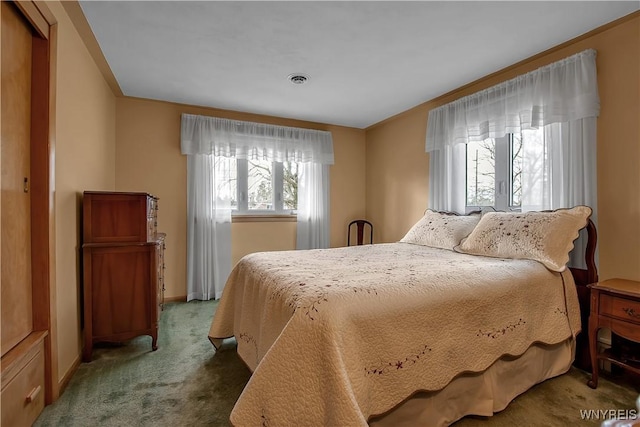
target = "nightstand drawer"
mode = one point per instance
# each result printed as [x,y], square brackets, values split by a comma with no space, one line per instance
[620,308]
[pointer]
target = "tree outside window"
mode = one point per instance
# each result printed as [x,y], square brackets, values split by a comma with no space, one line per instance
[265,187]
[494,173]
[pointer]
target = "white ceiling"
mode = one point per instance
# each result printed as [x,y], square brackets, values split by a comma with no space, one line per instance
[366,60]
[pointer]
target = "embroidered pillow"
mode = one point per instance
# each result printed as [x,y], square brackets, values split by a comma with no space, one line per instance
[440,230]
[546,237]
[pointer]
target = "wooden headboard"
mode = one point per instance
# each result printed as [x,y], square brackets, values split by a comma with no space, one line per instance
[590,275]
[582,278]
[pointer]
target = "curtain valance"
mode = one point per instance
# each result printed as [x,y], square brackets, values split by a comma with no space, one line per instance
[564,91]
[248,140]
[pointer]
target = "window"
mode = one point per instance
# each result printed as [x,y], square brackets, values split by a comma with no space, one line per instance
[494,173]
[261,187]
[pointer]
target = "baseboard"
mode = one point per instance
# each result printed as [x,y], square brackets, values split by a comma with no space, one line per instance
[176,299]
[64,382]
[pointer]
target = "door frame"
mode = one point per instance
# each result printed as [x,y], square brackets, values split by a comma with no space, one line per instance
[42,186]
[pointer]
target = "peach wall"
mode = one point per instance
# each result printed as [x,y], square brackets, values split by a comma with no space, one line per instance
[397,166]
[348,195]
[148,159]
[397,174]
[250,237]
[84,160]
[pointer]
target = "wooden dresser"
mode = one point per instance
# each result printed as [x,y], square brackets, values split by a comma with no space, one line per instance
[123,262]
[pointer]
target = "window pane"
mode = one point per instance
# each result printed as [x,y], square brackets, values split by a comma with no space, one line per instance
[481,182]
[225,180]
[290,186]
[233,184]
[516,170]
[260,185]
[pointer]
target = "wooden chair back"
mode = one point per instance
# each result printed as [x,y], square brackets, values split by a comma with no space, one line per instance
[360,227]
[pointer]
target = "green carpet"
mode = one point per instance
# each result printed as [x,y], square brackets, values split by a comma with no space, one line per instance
[183,383]
[186,383]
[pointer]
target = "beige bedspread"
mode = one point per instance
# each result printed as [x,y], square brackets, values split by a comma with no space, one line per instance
[335,336]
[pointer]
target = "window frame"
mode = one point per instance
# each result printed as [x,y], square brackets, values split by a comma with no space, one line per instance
[277,182]
[503,177]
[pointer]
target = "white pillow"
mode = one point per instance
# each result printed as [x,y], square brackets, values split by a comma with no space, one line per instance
[546,237]
[440,230]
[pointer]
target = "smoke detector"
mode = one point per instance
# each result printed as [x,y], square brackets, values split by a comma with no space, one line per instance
[298,78]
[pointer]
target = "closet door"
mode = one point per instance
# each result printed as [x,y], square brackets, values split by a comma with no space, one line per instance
[15,210]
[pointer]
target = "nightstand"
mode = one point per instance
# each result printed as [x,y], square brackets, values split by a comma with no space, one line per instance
[615,304]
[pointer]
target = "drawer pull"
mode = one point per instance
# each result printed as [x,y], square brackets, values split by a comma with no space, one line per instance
[631,312]
[34,394]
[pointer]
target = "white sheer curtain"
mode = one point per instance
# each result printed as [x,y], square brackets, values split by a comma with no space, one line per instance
[254,141]
[559,161]
[313,207]
[447,179]
[559,165]
[208,225]
[564,91]
[212,145]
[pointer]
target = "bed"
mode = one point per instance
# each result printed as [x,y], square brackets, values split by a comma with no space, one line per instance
[419,332]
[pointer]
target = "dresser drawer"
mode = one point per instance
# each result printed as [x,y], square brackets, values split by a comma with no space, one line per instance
[620,308]
[22,398]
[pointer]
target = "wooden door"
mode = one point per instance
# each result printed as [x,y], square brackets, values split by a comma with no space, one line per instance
[15,210]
